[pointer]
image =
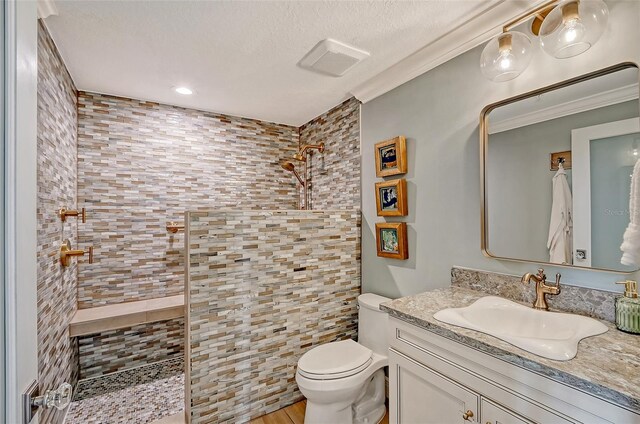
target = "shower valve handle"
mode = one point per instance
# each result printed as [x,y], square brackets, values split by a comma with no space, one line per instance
[59,398]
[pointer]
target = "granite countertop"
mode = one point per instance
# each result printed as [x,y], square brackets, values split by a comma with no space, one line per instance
[607,366]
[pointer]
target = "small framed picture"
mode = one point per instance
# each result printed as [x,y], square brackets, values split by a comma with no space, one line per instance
[391,157]
[391,198]
[391,238]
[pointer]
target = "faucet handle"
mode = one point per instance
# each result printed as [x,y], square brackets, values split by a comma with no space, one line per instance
[541,274]
[558,275]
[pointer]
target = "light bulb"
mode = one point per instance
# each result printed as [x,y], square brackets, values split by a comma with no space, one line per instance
[573,31]
[505,60]
[570,34]
[572,27]
[506,56]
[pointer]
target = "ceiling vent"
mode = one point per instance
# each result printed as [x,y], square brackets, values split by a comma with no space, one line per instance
[331,57]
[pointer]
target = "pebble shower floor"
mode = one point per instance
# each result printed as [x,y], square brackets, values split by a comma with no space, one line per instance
[137,396]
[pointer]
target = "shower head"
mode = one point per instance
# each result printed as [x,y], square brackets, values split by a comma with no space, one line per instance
[301,153]
[288,166]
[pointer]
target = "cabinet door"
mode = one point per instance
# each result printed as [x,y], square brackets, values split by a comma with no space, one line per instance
[496,414]
[420,395]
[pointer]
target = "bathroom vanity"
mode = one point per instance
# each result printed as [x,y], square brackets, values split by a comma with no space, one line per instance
[439,373]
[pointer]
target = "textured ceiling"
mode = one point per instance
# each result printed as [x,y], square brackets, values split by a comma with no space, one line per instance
[240,56]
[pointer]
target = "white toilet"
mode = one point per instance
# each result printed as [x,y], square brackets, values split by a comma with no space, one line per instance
[344,381]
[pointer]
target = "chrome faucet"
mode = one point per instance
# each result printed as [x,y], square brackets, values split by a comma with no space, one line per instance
[542,288]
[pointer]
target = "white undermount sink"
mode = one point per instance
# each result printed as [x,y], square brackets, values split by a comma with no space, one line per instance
[551,335]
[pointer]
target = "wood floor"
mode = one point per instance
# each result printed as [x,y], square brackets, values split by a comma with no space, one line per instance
[294,414]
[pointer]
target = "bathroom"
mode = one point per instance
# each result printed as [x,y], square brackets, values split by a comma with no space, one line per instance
[203,227]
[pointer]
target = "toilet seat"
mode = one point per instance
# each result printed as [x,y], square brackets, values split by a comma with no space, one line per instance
[335,360]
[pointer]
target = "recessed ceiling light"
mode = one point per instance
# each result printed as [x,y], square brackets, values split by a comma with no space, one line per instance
[183,90]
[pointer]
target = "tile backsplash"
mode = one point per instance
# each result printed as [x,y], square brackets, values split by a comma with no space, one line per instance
[580,300]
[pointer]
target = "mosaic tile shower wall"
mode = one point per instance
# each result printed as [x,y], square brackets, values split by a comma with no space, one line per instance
[57,180]
[264,287]
[335,175]
[116,350]
[142,164]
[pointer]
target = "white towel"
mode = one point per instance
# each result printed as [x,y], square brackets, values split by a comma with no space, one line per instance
[560,241]
[631,240]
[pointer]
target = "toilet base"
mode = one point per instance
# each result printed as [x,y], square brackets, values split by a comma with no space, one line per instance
[370,409]
[366,407]
[374,417]
[320,414]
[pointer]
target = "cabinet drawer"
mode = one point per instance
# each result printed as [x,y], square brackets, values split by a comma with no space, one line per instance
[527,413]
[423,396]
[492,413]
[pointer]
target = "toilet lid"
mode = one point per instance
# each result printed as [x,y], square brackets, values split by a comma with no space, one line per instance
[335,360]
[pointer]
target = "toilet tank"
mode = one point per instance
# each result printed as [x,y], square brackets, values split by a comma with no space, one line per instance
[372,323]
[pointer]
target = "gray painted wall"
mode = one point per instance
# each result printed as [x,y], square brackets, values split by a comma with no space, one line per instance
[518,174]
[438,113]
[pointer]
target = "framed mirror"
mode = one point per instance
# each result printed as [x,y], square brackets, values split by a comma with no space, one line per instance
[556,166]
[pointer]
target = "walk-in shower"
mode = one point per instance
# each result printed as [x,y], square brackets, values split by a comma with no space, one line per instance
[302,156]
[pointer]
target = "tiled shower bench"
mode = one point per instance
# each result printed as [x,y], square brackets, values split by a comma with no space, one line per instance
[127,314]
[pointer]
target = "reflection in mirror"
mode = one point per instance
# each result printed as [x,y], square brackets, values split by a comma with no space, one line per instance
[557,172]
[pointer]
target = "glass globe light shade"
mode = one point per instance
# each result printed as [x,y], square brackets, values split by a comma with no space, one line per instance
[572,27]
[506,56]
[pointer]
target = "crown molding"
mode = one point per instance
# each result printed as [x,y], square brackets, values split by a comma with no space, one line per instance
[46,8]
[472,32]
[594,101]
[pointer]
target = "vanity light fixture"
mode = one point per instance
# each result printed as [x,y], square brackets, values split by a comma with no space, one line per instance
[565,29]
[184,90]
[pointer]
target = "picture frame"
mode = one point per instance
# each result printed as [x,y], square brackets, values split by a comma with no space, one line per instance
[391,157]
[391,198]
[391,240]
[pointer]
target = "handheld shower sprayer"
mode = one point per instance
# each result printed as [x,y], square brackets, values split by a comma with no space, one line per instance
[288,166]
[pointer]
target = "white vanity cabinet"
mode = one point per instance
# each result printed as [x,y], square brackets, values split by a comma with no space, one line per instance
[427,397]
[434,380]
